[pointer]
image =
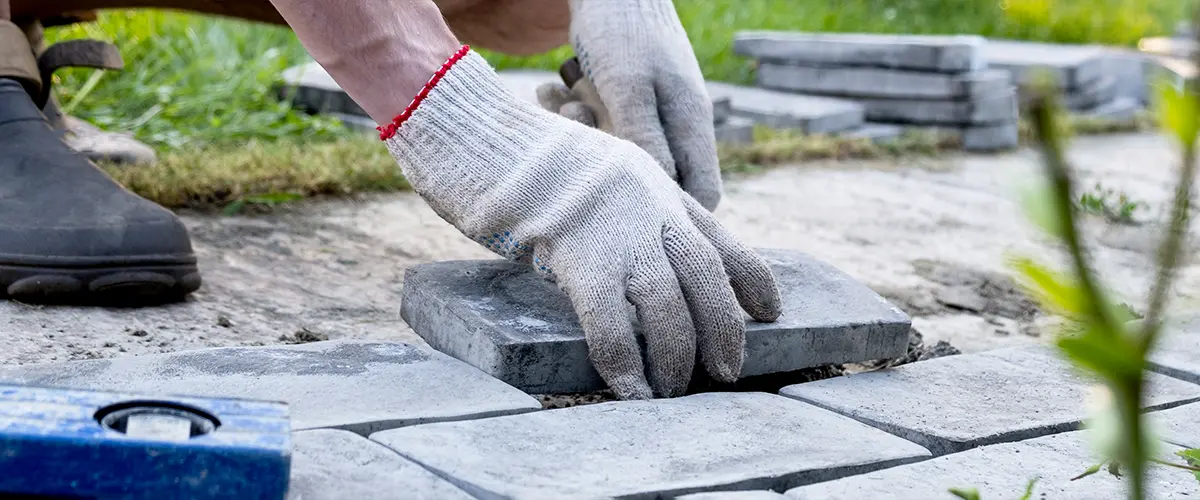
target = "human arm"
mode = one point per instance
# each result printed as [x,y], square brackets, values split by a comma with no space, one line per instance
[590,211]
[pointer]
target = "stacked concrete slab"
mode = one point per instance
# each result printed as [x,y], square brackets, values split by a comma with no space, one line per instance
[938,81]
[310,88]
[1094,80]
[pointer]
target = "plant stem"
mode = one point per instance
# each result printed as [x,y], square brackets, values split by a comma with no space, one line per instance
[1175,465]
[1173,243]
[1042,108]
[1130,407]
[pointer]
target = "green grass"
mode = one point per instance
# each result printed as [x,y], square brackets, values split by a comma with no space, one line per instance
[200,89]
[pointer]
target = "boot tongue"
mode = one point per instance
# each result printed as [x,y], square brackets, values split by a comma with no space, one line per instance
[16,104]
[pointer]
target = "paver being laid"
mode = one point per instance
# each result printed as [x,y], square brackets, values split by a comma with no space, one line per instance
[330,464]
[651,449]
[809,114]
[947,54]
[852,82]
[357,386]
[1002,471]
[1178,353]
[1073,65]
[1179,425]
[505,319]
[961,402]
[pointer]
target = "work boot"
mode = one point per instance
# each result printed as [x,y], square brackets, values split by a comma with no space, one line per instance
[68,232]
[96,144]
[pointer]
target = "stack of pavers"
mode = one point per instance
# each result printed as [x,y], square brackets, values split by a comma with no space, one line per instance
[941,82]
[1088,85]
[311,88]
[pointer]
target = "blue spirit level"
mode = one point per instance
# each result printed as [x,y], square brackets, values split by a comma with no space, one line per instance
[68,443]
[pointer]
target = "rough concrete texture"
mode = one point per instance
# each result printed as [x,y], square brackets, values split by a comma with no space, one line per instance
[809,114]
[1100,91]
[735,495]
[948,54]
[1002,472]
[329,464]
[358,386]
[735,130]
[1179,426]
[961,402]
[507,320]
[1072,65]
[1178,352]
[705,442]
[851,82]
[929,234]
[985,110]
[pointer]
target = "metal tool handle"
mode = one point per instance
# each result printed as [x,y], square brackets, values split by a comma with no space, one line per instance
[572,75]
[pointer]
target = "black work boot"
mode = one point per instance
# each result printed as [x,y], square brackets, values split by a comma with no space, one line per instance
[68,232]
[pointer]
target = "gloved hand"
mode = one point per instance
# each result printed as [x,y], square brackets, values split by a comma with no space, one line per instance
[638,57]
[596,215]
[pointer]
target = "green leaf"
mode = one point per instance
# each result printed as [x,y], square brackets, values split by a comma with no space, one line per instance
[234,208]
[1090,470]
[1037,202]
[1106,354]
[1192,457]
[1029,489]
[1053,290]
[1114,468]
[273,198]
[965,493]
[1177,112]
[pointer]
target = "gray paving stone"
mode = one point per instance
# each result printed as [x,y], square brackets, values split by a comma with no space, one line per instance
[329,464]
[735,130]
[851,82]
[809,114]
[1098,92]
[998,108]
[722,109]
[1001,472]
[651,449]
[948,54]
[357,386]
[879,133]
[508,321]
[735,495]
[1178,354]
[961,402]
[1133,71]
[1073,65]
[1179,426]
[988,138]
[1121,108]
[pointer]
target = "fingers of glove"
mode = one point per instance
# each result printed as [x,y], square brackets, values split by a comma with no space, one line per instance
[599,301]
[633,109]
[666,325]
[749,274]
[720,327]
[687,119]
[553,95]
[579,112]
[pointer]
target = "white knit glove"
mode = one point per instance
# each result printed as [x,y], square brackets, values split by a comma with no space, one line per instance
[595,214]
[638,57]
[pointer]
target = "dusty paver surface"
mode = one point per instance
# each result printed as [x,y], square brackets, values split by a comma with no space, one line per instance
[932,235]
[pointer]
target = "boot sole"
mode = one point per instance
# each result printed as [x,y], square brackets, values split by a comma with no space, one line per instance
[125,283]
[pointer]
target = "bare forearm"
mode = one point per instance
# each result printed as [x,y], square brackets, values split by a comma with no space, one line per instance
[381,52]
